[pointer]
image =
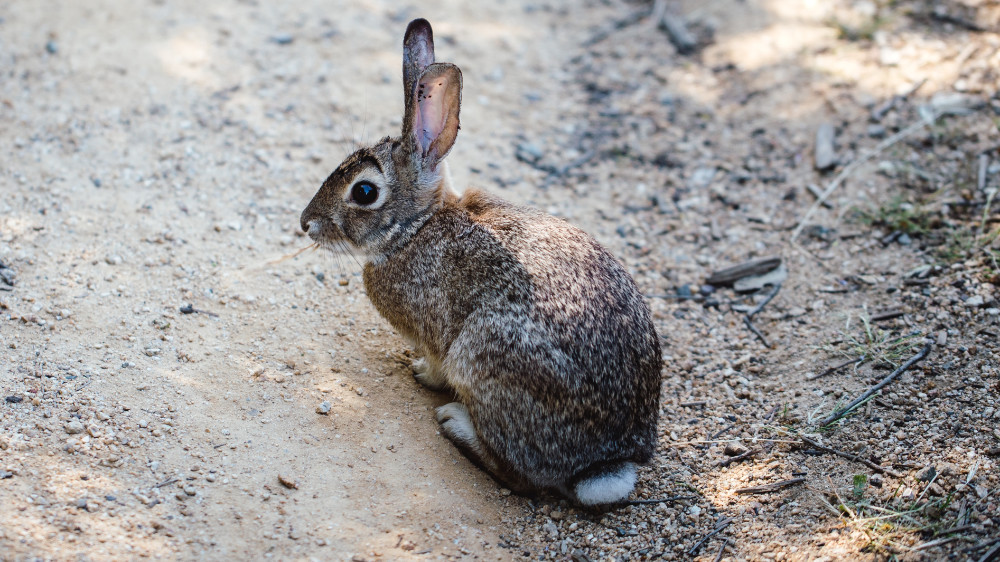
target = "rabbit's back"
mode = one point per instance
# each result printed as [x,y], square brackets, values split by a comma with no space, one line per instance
[542,333]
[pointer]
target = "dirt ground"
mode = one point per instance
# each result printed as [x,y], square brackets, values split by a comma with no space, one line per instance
[175,390]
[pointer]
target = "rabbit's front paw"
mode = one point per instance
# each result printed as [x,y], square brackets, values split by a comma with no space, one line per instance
[427,375]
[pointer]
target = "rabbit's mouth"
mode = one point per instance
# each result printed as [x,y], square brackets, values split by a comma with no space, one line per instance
[324,231]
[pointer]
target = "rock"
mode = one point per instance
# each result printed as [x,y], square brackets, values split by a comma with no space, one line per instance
[701,177]
[734,449]
[288,482]
[904,239]
[74,427]
[684,291]
[557,514]
[926,474]
[758,282]
[13,399]
[323,408]
[876,131]
[825,155]
[51,47]
[954,103]
[551,529]
[975,301]
[282,38]
[113,259]
[528,152]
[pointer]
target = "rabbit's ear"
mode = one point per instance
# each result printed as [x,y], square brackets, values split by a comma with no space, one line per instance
[418,54]
[434,107]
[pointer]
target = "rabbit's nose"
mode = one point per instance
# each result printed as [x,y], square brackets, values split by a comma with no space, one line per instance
[308,216]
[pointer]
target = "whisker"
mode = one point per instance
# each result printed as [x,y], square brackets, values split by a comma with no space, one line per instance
[296,253]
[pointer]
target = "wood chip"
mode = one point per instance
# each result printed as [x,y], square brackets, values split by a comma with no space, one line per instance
[730,275]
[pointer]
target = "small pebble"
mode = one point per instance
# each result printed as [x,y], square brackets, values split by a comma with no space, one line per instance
[52,47]
[13,399]
[113,259]
[323,408]
[288,482]
[74,427]
[734,449]
[282,38]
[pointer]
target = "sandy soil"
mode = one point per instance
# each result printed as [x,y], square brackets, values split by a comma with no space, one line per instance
[156,155]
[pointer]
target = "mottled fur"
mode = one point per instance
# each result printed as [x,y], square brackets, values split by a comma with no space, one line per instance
[539,332]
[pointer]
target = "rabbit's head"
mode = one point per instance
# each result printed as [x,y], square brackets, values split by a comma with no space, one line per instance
[381,194]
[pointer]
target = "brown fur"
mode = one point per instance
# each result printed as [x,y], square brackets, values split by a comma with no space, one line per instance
[538,331]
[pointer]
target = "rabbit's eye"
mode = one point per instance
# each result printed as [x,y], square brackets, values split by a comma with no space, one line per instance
[364,193]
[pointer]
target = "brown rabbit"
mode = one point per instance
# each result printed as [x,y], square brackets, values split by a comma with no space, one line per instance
[539,333]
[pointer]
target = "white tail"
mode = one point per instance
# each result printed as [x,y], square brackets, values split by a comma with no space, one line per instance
[611,486]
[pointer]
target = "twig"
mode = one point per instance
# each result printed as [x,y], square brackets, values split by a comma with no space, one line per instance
[722,549]
[815,191]
[676,29]
[718,528]
[879,112]
[748,319]
[836,368]
[188,309]
[616,26]
[955,20]
[991,554]
[849,456]
[871,391]
[980,546]
[848,169]
[766,488]
[166,483]
[659,500]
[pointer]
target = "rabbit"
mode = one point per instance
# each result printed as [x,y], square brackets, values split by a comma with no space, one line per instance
[540,334]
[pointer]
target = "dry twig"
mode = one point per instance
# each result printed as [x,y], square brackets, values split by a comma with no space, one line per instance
[774,487]
[718,528]
[748,319]
[849,456]
[836,368]
[871,391]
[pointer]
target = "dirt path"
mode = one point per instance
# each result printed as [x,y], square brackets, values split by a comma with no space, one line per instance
[157,155]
